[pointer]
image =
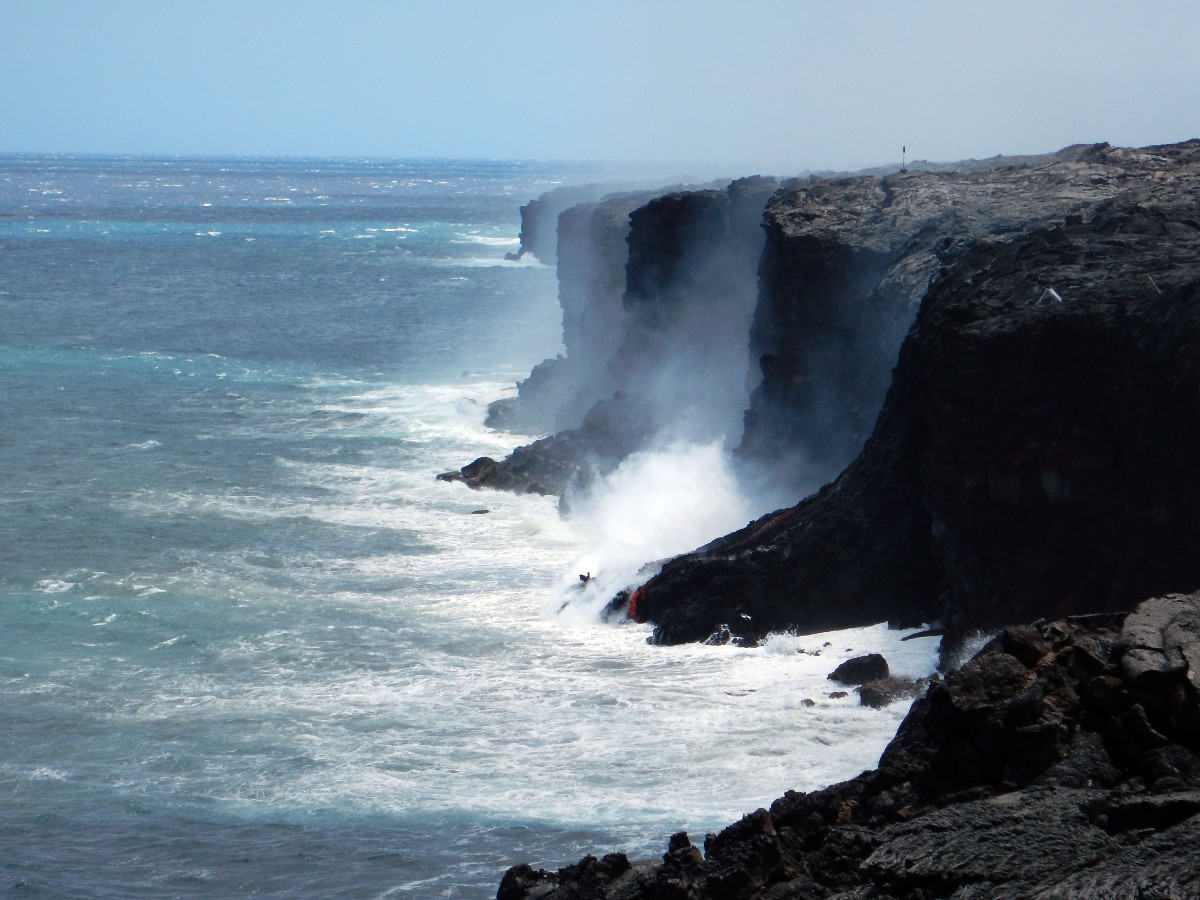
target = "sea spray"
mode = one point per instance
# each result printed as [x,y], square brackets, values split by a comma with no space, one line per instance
[248,644]
[655,504]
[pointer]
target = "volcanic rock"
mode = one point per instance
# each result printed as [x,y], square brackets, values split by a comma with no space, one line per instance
[1018,775]
[885,691]
[860,670]
[658,293]
[568,460]
[1033,456]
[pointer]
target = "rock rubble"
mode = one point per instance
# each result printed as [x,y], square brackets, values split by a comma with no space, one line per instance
[1032,458]
[1062,761]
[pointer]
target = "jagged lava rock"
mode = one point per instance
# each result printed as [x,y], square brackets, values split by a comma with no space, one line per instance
[565,461]
[885,691]
[1033,456]
[860,670]
[1041,768]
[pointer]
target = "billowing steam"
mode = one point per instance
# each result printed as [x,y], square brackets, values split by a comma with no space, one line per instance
[658,296]
[656,504]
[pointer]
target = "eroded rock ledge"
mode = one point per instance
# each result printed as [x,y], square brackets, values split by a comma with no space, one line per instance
[1063,761]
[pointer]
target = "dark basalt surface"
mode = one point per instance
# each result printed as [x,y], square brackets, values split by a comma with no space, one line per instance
[846,264]
[1063,761]
[1034,456]
[568,460]
[860,670]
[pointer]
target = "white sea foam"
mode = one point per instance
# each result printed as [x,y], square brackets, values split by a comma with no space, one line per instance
[487,240]
[596,726]
[54,586]
[585,720]
[657,504]
[488,262]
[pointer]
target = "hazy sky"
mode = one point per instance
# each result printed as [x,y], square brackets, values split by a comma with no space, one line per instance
[767,85]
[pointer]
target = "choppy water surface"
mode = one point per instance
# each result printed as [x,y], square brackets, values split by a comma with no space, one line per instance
[249,645]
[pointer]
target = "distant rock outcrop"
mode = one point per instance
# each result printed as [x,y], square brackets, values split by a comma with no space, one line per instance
[1063,761]
[591,255]
[658,293]
[539,217]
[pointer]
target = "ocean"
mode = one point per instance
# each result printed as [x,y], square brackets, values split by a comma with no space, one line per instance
[249,646]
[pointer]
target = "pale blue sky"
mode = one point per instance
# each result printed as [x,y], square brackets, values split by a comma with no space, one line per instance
[766,85]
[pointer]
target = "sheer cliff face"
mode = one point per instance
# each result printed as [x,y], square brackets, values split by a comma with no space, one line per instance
[585,231]
[1052,435]
[690,291]
[845,266]
[1029,459]
[591,276]
[823,340]
[539,217]
[590,240]
[657,296]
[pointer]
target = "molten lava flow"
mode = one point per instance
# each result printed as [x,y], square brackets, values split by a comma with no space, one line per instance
[631,610]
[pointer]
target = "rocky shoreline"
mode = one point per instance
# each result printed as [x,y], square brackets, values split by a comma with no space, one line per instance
[1060,762]
[993,370]
[995,374]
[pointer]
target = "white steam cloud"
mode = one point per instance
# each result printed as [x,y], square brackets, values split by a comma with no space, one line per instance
[656,504]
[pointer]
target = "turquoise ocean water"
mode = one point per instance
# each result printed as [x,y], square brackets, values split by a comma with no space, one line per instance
[248,645]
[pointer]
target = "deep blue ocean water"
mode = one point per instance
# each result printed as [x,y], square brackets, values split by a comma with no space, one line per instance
[248,645]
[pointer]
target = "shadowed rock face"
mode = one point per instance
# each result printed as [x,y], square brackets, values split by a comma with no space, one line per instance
[1032,458]
[591,252]
[657,298]
[1062,761]
[848,261]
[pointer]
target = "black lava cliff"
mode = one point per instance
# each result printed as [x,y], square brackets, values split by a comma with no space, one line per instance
[1062,762]
[658,294]
[1032,456]
[1035,453]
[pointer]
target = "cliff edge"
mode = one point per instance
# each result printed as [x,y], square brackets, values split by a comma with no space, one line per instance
[1032,456]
